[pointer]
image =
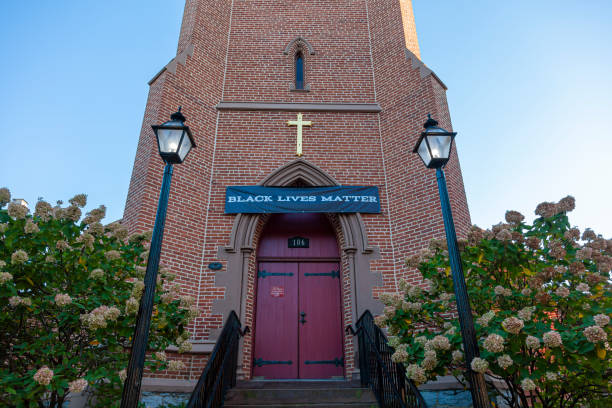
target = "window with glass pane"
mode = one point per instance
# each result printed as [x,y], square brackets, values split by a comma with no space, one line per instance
[299,70]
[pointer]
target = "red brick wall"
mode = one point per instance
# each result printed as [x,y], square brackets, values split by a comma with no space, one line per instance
[406,96]
[359,58]
[194,365]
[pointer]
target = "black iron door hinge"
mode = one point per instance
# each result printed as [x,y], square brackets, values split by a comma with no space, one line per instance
[333,274]
[263,274]
[338,362]
[260,362]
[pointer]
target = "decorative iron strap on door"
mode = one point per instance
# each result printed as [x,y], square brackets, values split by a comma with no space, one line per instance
[333,274]
[338,362]
[220,372]
[386,378]
[260,362]
[263,274]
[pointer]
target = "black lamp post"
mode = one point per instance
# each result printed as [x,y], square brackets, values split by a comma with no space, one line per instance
[434,148]
[174,141]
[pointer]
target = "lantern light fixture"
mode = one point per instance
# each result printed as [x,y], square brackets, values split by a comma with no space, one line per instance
[434,145]
[174,139]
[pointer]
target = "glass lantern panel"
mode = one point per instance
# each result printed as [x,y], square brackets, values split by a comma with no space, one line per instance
[440,146]
[169,139]
[185,147]
[424,152]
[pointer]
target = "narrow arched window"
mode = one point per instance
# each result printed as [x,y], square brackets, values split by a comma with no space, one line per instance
[299,70]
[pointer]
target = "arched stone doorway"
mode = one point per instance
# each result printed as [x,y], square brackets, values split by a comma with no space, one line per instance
[238,278]
[298,319]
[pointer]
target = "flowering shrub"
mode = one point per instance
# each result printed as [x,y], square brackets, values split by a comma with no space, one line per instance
[69,294]
[541,300]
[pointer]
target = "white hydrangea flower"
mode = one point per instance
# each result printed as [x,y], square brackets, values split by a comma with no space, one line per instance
[513,325]
[43,376]
[528,385]
[416,374]
[77,386]
[479,365]
[185,347]
[532,342]
[562,291]
[400,355]
[5,277]
[131,306]
[485,318]
[582,287]
[176,365]
[62,299]
[552,339]
[421,340]
[601,320]
[393,341]
[494,343]
[441,343]
[504,361]
[595,334]
[526,312]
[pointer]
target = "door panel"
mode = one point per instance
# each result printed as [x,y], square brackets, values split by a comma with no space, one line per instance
[314,227]
[320,348]
[276,342]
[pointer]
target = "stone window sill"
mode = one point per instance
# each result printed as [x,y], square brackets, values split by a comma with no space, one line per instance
[306,88]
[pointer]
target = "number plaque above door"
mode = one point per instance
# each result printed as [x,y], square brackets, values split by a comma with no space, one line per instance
[298,242]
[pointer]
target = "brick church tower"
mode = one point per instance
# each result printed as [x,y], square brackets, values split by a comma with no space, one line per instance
[244,69]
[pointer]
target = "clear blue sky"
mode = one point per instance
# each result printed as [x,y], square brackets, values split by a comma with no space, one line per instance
[530,93]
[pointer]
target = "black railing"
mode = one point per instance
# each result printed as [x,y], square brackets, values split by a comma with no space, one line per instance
[219,375]
[386,378]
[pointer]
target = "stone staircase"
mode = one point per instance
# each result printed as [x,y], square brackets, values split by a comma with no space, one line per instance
[320,394]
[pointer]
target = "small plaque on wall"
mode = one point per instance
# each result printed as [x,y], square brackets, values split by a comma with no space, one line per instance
[298,242]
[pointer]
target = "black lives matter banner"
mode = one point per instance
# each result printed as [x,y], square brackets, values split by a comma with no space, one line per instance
[339,199]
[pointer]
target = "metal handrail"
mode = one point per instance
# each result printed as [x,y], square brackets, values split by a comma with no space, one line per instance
[386,378]
[219,375]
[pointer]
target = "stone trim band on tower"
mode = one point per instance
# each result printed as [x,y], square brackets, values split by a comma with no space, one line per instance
[181,58]
[424,70]
[299,106]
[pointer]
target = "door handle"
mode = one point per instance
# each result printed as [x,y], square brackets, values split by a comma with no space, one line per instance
[303,319]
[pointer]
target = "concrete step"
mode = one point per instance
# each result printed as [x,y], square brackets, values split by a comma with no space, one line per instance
[323,405]
[259,396]
[295,384]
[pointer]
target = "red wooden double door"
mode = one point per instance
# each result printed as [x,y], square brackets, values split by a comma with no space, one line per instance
[298,329]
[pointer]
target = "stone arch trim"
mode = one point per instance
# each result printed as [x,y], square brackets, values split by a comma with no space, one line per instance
[299,169]
[243,240]
[302,45]
[299,41]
